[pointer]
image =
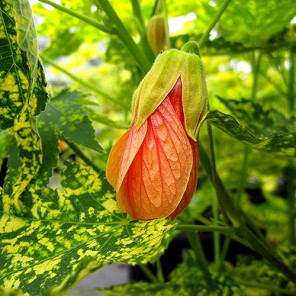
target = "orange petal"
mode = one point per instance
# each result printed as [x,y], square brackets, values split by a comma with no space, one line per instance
[157,178]
[191,187]
[113,163]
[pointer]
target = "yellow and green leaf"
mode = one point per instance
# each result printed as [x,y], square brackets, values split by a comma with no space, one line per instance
[22,88]
[62,229]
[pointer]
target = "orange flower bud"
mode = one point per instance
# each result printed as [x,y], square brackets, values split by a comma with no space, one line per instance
[154,165]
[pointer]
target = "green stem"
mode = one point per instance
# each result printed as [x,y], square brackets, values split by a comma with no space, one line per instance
[265,252]
[205,228]
[256,67]
[140,22]
[223,253]
[292,80]
[138,14]
[79,153]
[214,174]
[239,218]
[167,29]
[160,275]
[80,16]
[148,273]
[266,287]
[200,256]
[82,82]
[243,175]
[125,37]
[273,83]
[207,32]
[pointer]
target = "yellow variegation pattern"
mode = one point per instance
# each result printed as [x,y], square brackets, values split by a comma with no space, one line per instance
[68,234]
[22,88]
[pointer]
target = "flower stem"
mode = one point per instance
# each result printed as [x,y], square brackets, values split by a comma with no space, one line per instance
[215,20]
[80,16]
[214,174]
[200,258]
[223,253]
[82,82]
[79,153]
[205,228]
[148,273]
[160,275]
[239,218]
[124,36]
[243,178]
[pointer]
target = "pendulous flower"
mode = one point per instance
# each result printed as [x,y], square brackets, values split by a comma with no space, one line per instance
[154,165]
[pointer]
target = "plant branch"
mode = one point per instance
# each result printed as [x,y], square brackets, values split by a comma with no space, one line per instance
[80,16]
[205,228]
[124,36]
[207,32]
[82,82]
[79,153]
[200,257]
[160,275]
[148,273]
[214,174]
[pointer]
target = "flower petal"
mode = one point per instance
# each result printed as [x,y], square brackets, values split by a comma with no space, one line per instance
[158,175]
[191,187]
[133,143]
[113,163]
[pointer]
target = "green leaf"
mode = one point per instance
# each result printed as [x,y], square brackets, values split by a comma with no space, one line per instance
[22,88]
[50,150]
[284,143]
[68,118]
[186,280]
[4,140]
[62,229]
[256,18]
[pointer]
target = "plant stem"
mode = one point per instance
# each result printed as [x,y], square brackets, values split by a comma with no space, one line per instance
[255,70]
[215,20]
[266,287]
[79,153]
[148,273]
[292,80]
[160,275]
[243,174]
[214,174]
[205,228]
[140,22]
[138,14]
[239,218]
[80,16]
[200,256]
[223,253]
[82,82]
[124,36]
[167,28]
[265,251]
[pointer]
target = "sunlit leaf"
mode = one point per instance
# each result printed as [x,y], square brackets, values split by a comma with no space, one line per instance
[70,121]
[284,143]
[63,229]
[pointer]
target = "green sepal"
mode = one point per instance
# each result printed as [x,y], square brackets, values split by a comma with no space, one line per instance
[160,80]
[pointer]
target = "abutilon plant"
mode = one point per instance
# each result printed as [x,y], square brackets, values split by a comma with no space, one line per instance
[154,165]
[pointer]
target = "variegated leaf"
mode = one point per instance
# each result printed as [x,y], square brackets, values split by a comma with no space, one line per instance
[22,88]
[282,142]
[67,117]
[67,234]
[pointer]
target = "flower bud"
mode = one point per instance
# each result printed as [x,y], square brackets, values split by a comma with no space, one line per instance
[154,165]
[156,33]
[168,67]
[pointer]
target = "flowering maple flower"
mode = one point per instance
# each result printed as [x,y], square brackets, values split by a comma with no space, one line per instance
[154,165]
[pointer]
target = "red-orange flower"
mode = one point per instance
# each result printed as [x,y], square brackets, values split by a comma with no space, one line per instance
[154,169]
